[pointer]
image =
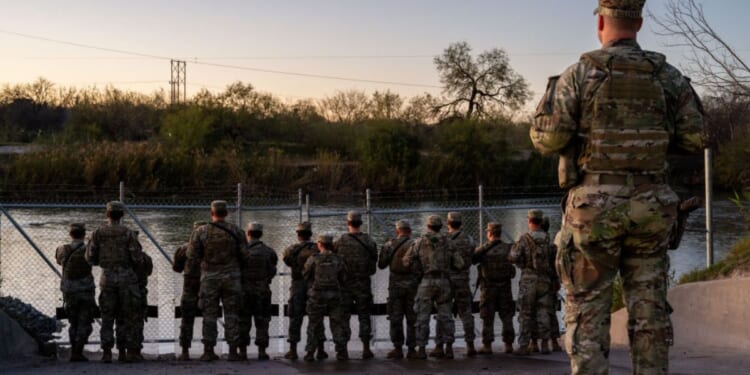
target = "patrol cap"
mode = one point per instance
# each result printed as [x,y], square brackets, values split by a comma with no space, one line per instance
[454,217]
[353,216]
[326,239]
[434,220]
[255,227]
[403,224]
[621,8]
[536,214]
[77,226]
[197,224]
[115,206]
[304,226]
[494,227]
[218,206]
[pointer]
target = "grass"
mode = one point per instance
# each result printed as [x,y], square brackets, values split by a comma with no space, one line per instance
[737,262]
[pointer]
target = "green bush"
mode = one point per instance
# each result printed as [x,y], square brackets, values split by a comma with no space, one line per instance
[738,260]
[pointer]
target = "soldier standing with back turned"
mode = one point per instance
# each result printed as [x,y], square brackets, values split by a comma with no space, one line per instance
[613,117]
[191,283]
[464,245]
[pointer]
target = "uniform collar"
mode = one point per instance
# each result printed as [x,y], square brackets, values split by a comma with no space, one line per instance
[622,43]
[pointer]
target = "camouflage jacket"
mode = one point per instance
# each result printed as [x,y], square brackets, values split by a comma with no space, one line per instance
[533,254]
[295,256]
[63,257]
[360,255]
[432,254]
[260,267]
[122,274]
[230,255]
[391,257]
[462,243]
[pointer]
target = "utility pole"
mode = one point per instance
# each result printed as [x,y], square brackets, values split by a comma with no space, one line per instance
[178,83]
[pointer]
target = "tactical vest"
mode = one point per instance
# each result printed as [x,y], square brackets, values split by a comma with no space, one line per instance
[76,267]
[327,269]
[462,244]
[302,251]
[113,241]
[397,258]
[220,247]
[434,253]
[497,267]
[144,270]
[358,262]
[625,123]
[180,259]
[539,254]
[257,267]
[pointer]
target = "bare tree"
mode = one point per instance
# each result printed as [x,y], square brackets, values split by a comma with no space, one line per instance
[474,85]
[386,105]
[346,106]
[714,64]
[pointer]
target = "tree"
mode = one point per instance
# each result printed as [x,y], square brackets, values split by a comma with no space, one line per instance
[714,64]
[346,107]
[385,105]
[474,86]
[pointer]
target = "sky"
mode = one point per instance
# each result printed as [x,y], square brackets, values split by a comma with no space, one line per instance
[385,40]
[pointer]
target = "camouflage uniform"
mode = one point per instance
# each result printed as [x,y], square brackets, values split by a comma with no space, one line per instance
[402,289]
[432,253]
[116,249]
[360,254]
[326,273]
[496,273]
[532,253]
[143,271]
[619,212]
[77,285]
[220,248]
[191,282]
[464,245]
[259,270]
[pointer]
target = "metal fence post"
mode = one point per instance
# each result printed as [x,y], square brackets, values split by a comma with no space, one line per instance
[367,211]
[299,200]
[481,219]
[307,206]
[239,205]
[122,191]
[709,206]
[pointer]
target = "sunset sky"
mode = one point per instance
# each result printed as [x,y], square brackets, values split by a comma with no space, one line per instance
[384,40]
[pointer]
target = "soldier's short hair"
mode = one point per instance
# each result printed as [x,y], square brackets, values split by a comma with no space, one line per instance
[77,230]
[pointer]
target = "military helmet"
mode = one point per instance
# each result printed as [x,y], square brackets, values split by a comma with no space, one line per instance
[403,224]
[494,227]
[255,227]
[353,216]
[304,226]
[621,8]
[454,217]
[218,205]
[536,214]
[114,206]
[434,220]
[325,239]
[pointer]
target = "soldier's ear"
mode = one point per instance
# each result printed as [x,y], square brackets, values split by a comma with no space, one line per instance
[600,23]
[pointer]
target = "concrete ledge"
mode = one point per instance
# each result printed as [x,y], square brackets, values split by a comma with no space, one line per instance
[706,314]
[14,341]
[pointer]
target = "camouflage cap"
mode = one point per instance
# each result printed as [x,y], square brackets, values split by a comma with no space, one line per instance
[403,224]
[494,227]
[325,239]
[115,206]
[219,206]
[536,214]
[197,224]
[304,226]
[434,220]
[454,217]
[353,216]
[620,8]
[77,226]
[255,227]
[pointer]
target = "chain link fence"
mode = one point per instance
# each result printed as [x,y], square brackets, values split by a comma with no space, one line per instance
[31,230]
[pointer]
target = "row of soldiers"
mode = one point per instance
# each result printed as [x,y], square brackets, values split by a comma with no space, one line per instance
[221,264]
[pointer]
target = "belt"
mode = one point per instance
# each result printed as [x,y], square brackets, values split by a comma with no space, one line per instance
[622,179]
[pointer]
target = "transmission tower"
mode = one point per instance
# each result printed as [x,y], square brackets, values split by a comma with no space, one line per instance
[178,83]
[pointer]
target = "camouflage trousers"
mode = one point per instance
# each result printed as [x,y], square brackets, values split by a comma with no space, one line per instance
[189,308]
[80,308]
[554,324]
[497,298]
[297,307]
[359,294]
[318,304]
[139,325]
[224,287]
[121,303]
[535,304]
[609,229]
[437,292]
[401,305]
[256,305]
[462,301]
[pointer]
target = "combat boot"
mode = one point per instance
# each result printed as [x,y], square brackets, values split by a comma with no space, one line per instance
[396,353]
[411,353]
[243,353]
[342,355]
[470,351]
[76,354]
[448,351]
[522,350]
[185,355]
[262,355]
[321,352]
[122,355]
[366,352]
[556,346]
[437,352]
[233,355]
[309,356]
[421,354]
[508,348]
[292,353]
[545,347]
[107,356]
[134,355]
[534,346]
[208,354]
[486,348]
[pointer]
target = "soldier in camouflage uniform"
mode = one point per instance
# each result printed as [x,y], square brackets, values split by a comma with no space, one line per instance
[432,254]
[554,324]
[295,257]
[360,254]
[613,116]
[402,289]
[258,273]
[532,253]
[116,249]
[219,246]
[77,285]
[191,282]
[143,270]
[326,274]
[495,276]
